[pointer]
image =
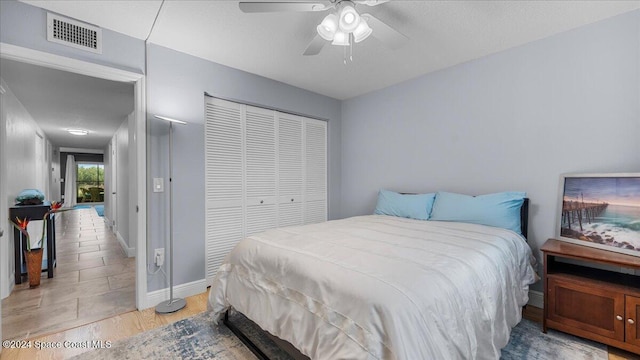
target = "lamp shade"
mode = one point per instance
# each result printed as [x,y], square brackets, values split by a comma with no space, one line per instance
[328,27]
[170,119]
[362,31]
[341,38]
[349,19]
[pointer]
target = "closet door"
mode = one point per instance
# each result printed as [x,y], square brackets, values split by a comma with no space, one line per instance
[290,170]
[264,169]
[260,170]
[224,177]
[315,191]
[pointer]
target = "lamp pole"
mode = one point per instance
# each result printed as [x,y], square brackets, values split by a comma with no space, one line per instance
[173,304]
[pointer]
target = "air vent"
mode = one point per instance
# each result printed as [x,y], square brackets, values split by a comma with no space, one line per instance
[73,33]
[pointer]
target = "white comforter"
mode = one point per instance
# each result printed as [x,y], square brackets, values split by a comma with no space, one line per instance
[381,287]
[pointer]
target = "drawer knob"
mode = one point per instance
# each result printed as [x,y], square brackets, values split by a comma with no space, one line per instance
[261,201]
[631,321]
[291,199]
[618,317]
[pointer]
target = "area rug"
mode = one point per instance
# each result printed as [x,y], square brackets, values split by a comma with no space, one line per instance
[198,338]
[99,210]
[193,338]
[529,342]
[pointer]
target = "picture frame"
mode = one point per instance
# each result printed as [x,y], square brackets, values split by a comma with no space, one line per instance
[601,211]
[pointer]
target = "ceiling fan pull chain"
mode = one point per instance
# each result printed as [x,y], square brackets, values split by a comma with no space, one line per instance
[351,47]
[344,55]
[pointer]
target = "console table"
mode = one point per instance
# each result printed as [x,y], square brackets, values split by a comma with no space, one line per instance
[33,212]
[600,304]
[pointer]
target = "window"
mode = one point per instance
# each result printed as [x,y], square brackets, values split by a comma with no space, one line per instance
[90,182]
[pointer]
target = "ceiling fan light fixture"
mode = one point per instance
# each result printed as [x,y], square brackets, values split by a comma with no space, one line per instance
[328,27]
[362,31]
[349,19]
[341,39]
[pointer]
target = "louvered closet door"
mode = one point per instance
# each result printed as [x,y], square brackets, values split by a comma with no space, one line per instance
[290,170]
[315,192]
[224,192]
[260,156]
[264,169]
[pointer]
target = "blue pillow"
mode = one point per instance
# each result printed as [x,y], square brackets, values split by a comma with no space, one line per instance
[411,206]
[499,210]
[30,197]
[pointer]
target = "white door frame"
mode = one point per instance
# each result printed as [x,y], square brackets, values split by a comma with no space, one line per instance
[35,57]
[40,164]
[114,183]
[4,235]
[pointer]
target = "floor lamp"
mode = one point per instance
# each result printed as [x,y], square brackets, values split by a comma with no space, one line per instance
[173,304]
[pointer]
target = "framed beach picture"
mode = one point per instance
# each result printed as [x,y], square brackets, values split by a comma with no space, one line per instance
[600,210]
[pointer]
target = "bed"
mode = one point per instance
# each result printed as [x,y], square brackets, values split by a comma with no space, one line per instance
[381,287]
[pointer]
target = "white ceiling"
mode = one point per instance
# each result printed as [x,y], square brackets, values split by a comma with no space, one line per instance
[442,34]
[58,100]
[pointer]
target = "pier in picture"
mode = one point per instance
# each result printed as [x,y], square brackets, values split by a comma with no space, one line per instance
[602,210]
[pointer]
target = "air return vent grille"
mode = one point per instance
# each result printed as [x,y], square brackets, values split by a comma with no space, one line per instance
[73,33]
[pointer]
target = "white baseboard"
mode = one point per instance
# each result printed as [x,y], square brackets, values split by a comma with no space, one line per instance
[131,252]
[179,291]
[536,298]
[108,222]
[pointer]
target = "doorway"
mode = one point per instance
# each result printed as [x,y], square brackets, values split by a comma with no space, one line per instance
[138,198]
[113,184]
[90,182]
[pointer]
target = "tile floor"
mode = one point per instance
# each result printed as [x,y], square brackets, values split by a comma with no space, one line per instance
[93,280]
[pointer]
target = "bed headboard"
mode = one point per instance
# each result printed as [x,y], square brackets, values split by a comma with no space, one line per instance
[524,218]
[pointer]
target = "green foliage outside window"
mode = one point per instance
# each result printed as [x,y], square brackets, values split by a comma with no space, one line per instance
[90,182]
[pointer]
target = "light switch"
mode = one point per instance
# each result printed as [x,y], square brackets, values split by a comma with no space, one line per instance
[158,184]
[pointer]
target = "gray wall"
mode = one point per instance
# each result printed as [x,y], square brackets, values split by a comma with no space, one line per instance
[123,176]
[515,120]
[54,181]
[19,141]
[124,165]
[176,84]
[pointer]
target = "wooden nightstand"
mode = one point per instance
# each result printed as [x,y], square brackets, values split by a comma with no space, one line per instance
[596,304]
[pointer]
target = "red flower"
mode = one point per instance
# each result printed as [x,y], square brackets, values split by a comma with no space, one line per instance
[55,206]
[22,224]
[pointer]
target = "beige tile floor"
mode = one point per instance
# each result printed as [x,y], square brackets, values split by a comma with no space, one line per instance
[93,280]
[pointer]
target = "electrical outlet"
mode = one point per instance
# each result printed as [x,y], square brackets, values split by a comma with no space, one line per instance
[158,257]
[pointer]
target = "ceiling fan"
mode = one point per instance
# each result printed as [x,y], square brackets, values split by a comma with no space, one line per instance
[342,27]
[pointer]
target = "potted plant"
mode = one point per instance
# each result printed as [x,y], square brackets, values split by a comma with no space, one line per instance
[33,256]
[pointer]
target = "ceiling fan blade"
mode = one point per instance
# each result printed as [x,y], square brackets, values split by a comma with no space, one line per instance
[260,7]
[370,2]
[315,46]
[385,33]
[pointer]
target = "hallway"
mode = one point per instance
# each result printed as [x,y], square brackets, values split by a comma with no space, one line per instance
[93,280]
